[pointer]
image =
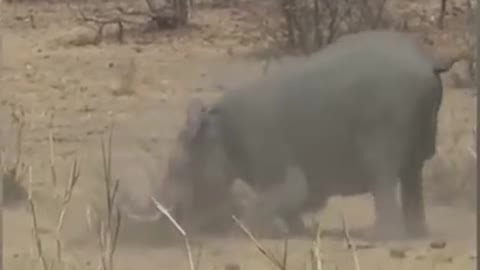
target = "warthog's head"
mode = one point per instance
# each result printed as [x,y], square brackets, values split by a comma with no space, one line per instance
[196,187]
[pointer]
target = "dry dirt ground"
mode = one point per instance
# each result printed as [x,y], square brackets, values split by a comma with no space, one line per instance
[47,73]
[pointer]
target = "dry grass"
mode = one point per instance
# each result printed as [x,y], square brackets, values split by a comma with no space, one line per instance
[182,232]
[107,229]
[108,226]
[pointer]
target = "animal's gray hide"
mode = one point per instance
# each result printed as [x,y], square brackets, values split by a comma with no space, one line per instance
[355,118]
[261,210]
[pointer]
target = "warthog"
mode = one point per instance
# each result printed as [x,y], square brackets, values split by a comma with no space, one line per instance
[357,117]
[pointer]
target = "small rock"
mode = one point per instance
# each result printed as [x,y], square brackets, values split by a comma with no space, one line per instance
[420,257]
[163,97]
[232,266]
[398,253]
[438,244]
[365,246]
[447,259]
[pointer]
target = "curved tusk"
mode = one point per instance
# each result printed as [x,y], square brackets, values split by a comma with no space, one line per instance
[166,212]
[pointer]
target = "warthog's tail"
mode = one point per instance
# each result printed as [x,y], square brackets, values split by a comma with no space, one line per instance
[440,65]
[444,64]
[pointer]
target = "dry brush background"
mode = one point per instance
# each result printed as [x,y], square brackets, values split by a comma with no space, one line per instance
[62,83]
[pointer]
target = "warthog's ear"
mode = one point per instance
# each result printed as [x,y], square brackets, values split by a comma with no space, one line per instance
[201,122]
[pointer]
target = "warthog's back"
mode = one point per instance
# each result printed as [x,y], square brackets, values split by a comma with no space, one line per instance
[319,112]
[366,84]
[364,79]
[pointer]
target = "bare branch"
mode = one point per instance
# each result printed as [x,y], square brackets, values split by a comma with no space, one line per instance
[350,243]
[67,195]
[259,246]
[317,261]
[179,228]
[441,18]
[33,214]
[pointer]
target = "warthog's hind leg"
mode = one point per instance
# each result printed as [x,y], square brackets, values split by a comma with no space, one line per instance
[412,200]
[381,158]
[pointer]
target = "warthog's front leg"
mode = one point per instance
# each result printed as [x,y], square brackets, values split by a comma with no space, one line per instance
[381,157]
[281,202]
[388,222]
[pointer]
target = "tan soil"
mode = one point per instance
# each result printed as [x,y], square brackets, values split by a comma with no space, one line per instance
[80,84]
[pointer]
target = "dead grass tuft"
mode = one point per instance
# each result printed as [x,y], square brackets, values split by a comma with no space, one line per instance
[12,168]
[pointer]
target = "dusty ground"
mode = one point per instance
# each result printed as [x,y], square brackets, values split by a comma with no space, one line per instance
[81,86]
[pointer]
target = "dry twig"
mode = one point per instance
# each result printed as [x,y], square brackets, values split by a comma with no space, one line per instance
[52,162]
[259,246]
[67,195]
[179,228]
[18,118]
[310,25]
[13,173]
[350,243]
[103,22]
[107,229]
[170,17]
[33,214]
[441,17]
[317,261]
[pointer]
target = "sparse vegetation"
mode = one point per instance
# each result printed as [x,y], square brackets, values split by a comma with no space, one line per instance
[310,25]
[169,47]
